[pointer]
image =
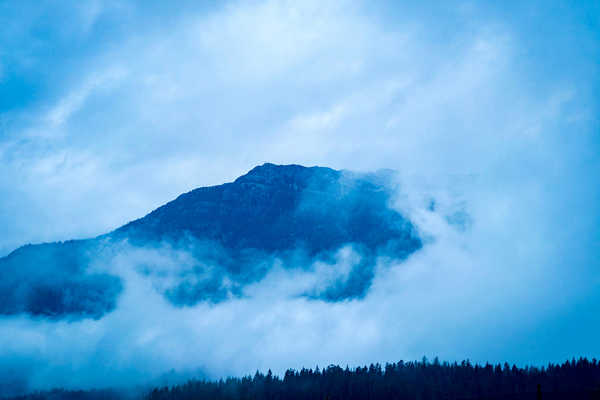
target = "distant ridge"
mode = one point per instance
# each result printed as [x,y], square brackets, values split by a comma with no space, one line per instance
[291,212]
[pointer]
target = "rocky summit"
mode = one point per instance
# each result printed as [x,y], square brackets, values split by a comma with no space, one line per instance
[290,213]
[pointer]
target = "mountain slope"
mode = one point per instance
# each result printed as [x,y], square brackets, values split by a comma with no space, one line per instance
[277,208]
[234,231]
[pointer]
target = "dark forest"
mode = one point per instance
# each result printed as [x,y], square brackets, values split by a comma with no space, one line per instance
[420,380]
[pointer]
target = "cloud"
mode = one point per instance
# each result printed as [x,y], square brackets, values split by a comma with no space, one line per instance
[228,88]
[67,106]
[471,291]
[489,115]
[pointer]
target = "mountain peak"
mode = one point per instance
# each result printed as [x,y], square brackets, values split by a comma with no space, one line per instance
[294,214]
[274,173]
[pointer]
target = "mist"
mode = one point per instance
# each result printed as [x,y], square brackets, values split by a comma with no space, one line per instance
[473,291]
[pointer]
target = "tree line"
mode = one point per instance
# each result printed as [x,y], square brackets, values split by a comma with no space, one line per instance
[414,380]
[422,380]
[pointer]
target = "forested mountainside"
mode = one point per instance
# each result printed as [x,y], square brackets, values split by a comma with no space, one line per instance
[232,232]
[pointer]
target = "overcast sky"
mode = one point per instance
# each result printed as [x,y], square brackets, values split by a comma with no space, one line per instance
[109,109]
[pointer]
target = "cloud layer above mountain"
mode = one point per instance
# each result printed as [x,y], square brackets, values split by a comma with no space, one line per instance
[109,109]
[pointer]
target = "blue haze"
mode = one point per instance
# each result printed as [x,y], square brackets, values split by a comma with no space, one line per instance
[488,111]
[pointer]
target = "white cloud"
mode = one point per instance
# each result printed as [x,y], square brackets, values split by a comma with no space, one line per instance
[60,113]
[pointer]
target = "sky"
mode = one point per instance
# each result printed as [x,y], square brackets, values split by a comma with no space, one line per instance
[109,109]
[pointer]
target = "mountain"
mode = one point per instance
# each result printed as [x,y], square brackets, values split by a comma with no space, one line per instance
[233,232]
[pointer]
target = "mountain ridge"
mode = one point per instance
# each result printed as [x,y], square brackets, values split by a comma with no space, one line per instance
[293,213]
